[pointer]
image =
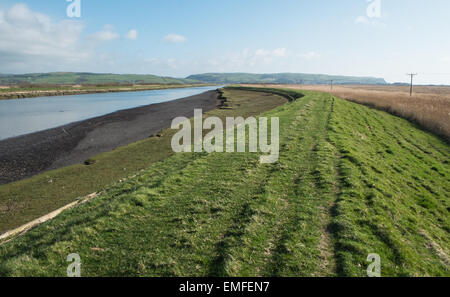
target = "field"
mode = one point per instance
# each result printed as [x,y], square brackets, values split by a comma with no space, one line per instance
[429,107]
[73,78]
[350,181]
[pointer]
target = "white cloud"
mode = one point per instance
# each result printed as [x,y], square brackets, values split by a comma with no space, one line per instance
[175,38]
[263,56]
[151,60]
[259,59]
[171,63]
[310,55]
[362,20]
[279,52]
[446,59]
[132,35]
[107,34]
[248,59]
[28,38]
[369,21]
[33,42]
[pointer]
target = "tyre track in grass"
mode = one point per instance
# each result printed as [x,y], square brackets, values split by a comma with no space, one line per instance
[431,157]
[208,234]
[300,201]
[284,237]
[232,236]
[327,180]
[311,206]
[420,154]
[251,253]
[355,188]
[374,213]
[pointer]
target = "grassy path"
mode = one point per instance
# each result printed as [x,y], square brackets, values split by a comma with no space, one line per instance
[350,181]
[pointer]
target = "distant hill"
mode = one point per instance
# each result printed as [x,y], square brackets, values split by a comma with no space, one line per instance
[60,78]
[71,78]
[283,78]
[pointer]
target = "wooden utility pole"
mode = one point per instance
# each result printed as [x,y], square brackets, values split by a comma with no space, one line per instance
[411,87]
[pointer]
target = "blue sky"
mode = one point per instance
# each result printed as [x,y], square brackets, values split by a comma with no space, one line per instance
[182,37]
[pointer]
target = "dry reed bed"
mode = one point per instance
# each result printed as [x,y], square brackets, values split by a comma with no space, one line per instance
[429,107]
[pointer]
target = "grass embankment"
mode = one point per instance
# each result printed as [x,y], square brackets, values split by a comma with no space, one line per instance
[32,92]
[350,181]
[429,106]
[26,200]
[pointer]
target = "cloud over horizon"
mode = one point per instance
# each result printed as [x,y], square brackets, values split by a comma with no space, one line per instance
[260,60]
[30,37]
[107,34]
[33,42]
[132,34]
[175,38]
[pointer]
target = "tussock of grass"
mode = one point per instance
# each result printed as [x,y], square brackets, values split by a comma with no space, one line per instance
[350,181]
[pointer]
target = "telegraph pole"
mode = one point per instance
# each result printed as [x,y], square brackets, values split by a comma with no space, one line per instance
[411,87]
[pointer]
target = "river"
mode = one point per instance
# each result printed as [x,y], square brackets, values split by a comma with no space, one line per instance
[23,116]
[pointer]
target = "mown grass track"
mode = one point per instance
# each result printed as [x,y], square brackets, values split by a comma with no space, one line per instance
[350,181]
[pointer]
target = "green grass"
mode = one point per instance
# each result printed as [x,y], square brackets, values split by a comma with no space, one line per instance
[89,78]
[350,181]
[212,78]
[395,191]
[282,78]
[26,200]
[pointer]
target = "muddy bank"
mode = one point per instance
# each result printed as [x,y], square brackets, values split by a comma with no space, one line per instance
[71,92]
[31,154]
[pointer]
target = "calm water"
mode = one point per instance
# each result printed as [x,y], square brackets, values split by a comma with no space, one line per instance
[23,116]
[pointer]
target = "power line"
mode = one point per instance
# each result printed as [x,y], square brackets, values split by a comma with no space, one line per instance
[434,73]
[411,88]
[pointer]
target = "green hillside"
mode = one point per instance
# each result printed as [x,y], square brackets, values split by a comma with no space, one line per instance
[283,78]
[70,78]
[89,78]
[350,181]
